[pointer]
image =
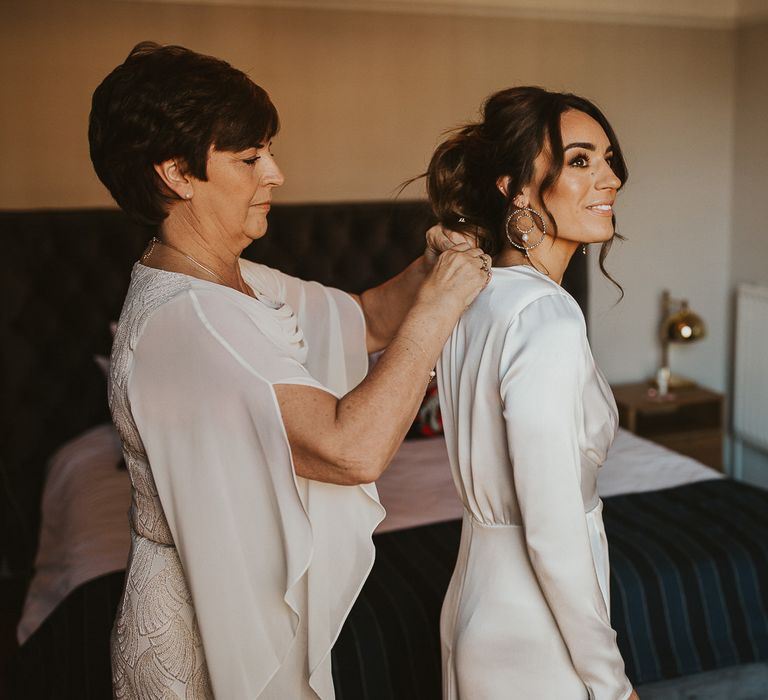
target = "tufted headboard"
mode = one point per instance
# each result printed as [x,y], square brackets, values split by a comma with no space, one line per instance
[65,276]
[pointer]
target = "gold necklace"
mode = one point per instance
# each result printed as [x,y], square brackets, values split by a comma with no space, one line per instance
[155,240]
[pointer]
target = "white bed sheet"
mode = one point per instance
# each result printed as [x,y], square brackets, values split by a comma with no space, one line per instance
[85,532]
[84,529]
[635,465]
[417,488]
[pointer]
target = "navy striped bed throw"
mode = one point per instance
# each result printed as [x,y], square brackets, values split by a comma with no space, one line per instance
[689,577]
[689,593]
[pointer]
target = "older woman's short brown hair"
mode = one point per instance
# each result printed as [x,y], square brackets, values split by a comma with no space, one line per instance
[167,102]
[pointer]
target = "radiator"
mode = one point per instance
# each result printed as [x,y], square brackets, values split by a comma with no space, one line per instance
[750,390]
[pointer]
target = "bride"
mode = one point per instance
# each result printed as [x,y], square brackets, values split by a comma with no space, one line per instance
[528,417]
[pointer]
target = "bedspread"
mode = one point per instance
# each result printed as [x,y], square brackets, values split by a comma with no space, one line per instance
[85,530]
[689,577]
[689,584]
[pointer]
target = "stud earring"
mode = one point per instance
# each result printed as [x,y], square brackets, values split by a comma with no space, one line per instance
[583,248]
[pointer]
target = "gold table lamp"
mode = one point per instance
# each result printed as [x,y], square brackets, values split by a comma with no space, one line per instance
[678,325]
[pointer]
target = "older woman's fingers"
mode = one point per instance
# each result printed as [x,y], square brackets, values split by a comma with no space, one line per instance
[456,237]
[461,272]
[478,257]
[441,239]
[463,247]
[486,262]
[482,257]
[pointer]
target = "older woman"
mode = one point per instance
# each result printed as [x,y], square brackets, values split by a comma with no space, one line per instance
[528,416]
[241,398]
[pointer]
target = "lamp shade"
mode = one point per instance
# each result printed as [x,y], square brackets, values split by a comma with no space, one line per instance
[684,326]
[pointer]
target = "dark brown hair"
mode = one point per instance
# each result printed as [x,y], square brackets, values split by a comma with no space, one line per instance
[167,102]
[516,125]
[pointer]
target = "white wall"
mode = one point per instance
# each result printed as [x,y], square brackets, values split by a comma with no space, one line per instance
[749,245]
[364,96]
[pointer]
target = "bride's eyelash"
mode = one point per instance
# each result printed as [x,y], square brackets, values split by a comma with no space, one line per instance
[583,157]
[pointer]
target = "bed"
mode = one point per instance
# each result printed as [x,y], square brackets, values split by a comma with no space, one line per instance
[689,549]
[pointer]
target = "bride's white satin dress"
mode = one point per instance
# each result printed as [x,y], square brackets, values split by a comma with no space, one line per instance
[528,421]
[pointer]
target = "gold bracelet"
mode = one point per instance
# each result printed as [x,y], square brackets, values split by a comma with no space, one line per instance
[432,373]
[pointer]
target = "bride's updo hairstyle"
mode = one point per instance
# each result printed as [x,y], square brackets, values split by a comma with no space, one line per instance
[517,125]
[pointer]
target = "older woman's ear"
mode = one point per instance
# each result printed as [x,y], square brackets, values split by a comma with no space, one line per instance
[172,174]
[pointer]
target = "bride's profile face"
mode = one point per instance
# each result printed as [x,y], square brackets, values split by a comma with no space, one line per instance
[581,200]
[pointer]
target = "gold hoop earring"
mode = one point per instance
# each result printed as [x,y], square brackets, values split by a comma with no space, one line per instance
[515,219]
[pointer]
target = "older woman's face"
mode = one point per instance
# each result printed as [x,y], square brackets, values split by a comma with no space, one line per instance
[582,199]
[236,197]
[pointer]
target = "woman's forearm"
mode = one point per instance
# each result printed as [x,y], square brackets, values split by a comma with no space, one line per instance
[351,440]
[385,306]
[397,382]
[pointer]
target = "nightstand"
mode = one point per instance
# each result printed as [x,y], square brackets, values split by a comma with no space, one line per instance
[689,421]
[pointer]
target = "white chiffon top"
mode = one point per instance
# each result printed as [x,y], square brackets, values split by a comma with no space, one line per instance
[240,570]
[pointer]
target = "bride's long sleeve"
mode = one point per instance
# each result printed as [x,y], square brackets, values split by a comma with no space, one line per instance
[542,375]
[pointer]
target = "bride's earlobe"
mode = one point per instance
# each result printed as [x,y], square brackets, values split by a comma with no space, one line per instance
[520,201]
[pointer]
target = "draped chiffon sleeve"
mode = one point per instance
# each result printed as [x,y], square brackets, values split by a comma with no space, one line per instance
[260,546]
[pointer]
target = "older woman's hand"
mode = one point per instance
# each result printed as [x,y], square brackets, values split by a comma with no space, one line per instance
[328,436]
[385,306]
[460,273]
[440,239]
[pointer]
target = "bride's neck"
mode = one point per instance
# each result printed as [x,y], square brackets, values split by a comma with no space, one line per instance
[551,257]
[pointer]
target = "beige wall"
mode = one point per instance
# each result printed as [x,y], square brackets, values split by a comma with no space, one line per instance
[749,257]
[363,97]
